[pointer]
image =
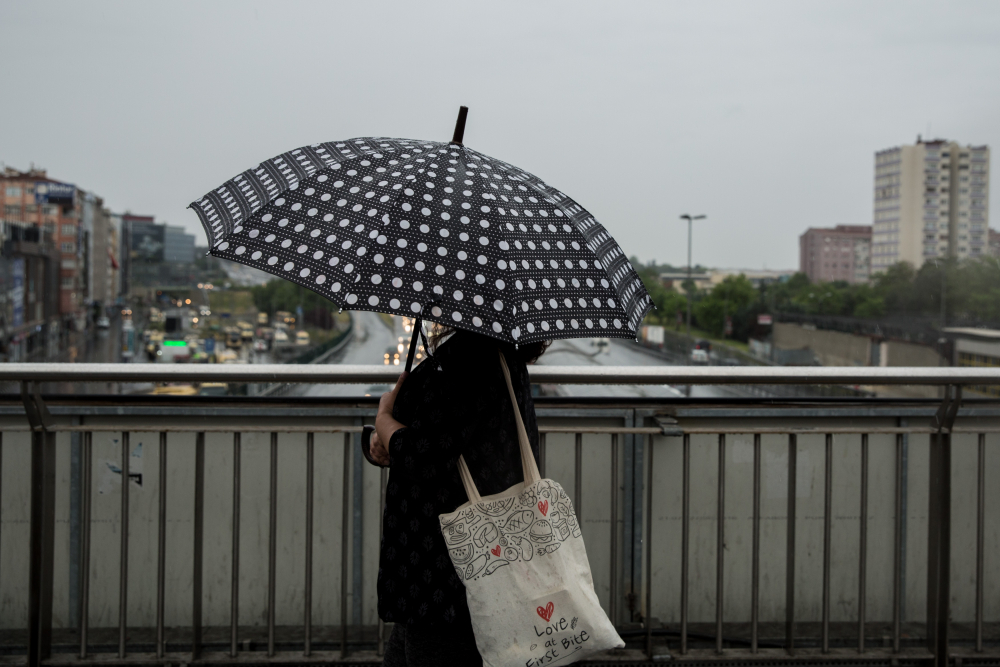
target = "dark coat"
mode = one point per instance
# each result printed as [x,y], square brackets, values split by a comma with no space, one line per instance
[454,403]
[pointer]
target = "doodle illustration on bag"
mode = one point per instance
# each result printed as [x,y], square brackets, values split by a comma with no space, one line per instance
[540,520]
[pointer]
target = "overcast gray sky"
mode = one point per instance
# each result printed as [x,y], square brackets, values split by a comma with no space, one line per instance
[763,115]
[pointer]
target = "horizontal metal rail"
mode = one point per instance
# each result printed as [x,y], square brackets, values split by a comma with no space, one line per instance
[349,374]
[573,430]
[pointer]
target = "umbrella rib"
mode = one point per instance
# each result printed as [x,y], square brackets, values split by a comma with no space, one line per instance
[518,317]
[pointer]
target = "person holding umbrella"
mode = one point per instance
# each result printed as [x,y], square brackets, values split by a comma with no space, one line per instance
[500,261]
[454,403]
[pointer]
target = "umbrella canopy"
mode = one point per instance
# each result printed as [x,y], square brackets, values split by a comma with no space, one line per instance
[428,228]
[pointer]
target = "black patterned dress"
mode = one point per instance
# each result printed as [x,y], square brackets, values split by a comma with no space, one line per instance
[454,403]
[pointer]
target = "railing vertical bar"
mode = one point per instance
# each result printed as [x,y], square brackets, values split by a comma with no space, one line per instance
[613,581]
[123,563]
[790,546]
[649,556]
[234,594]
[344,544]
[755,567]
[1,493]
[863,545]
[685,533]
[161,545]
[199,544]
[309,545]
[720,537]
[578,479]
[272,545]
[827,524]
[897,549]
[384,478]
[541,454]
[980,535]
[85,506]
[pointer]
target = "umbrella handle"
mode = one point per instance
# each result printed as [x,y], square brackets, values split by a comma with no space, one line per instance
[417,323]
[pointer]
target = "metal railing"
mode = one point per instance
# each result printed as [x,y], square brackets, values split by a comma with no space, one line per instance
[629,455]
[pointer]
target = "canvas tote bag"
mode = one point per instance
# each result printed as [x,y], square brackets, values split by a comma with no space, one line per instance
[520,554]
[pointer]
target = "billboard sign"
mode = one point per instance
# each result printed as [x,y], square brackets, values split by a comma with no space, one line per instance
[54,193]
[17,293]
[765,320]
[147,242]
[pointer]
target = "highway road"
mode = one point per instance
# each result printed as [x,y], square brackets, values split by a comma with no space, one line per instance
[372,337]
[581,352]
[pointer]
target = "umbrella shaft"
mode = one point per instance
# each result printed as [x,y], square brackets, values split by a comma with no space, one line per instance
[417,323]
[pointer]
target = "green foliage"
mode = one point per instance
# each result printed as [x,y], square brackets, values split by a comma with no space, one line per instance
[281,294]
[971,290]
[733,297]
[667,301]
[230,301]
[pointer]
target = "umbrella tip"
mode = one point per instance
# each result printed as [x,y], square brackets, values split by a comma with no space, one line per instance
[459,135]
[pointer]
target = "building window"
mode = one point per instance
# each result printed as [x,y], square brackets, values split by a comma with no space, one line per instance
[50,209]
[69,230]
[13,191]
[31,208]
[68,282]
[68,247]
[12,211]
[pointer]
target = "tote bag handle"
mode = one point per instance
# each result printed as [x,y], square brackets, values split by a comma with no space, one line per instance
[528,465]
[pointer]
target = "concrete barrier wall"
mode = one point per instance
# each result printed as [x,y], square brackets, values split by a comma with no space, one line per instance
[832,348]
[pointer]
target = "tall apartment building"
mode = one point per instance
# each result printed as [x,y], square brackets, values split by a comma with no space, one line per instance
[84,238]
[836,253]
[930,202]
[58,210]
[994,242]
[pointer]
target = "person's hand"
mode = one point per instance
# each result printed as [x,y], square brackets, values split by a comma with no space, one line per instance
[378,451]
[385,424]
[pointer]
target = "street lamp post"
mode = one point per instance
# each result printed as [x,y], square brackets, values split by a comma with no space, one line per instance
[687,289]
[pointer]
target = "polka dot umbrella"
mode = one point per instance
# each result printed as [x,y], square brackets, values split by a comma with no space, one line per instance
[432,229]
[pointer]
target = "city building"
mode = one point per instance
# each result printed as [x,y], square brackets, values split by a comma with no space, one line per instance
[178,245]
[836,253]
[707,280]
[64,212]
[930,202]
[60,263]
[29,293]
[107,264]
[158,254]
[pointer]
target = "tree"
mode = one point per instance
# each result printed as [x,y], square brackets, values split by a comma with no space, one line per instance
[733,296]
[666,301]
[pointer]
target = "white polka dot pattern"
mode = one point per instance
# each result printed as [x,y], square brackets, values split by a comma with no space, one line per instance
[404,226]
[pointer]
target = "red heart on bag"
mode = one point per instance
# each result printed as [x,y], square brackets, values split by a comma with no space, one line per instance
[495,550]
[543,507]
[546,611]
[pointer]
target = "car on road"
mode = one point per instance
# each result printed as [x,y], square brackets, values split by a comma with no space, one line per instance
[302,338]
[103,323]
[699,357]
[602,345]
[260,345]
